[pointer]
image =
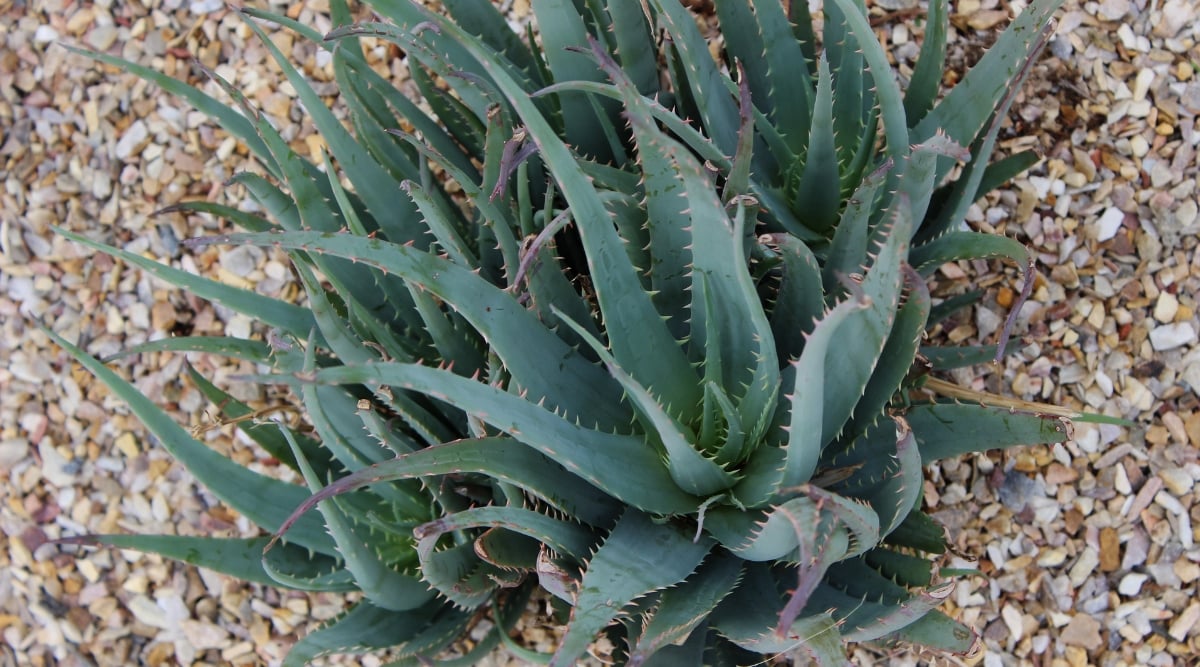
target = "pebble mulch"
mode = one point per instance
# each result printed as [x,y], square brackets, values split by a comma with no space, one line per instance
[1088,550]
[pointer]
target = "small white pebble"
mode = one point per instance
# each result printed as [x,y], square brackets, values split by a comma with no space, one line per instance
[1169,503]
[1109,222]
[44,34]
[1131,584]
[1171,336]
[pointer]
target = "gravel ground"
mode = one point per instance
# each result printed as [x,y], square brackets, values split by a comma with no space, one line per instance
[1088,549]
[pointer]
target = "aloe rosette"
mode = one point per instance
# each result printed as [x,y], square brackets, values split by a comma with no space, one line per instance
[653,354]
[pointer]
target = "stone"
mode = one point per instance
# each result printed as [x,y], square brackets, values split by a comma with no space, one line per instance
[1191,97]
[102,36]
[1166,307]
[201,7]
[1108,223]
[1171,336]
[1113,10]
[1176,480]
[1084,566]
[44,34]
[56,469]
[1183,624]
[203,636]
[1082,631]
[1012,619]
[133,138]
[1131,584]
[242,260]
[12,452]
[1110,550]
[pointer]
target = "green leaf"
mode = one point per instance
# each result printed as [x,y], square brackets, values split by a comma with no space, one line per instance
[683,608]
[565,537]
[384,586]
[947,430]
[949,358]
[898,354]
[799,303]
[705,82]
[272,312]
[974,99]
[791,88]
[935,631]
[750,615]
[872,325]
[639,556]
[503,459]
[236,557]
[808,423]
[247,221]
[887,90]
[1004,170]
[624,466]
[818,191]
[563,34]
[369,627]
[265,435]
[926,78]
[579,388]
[902,568]
[459,575]
[640,342]
[864,619]
[223,346]
[968,245]
[848,252]
[899,492]
[940,311]
[261,499]
[690,469]
[919,531]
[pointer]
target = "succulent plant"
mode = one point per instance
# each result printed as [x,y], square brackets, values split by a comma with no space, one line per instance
[648,343]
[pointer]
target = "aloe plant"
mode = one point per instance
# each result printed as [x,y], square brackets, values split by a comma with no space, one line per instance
[684,403]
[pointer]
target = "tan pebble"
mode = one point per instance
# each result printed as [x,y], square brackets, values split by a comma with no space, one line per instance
[204,636]
[88,569]
[1012,619]
[1175,427]
[137,583]
[1110,550]
[1138,146]
[1052,557]
[1025,462]
[1057,473]
[1184,623]
[986,19]
[162,316]
[1083,631]
[79,20]
[1191,424]
[1084,566]
[1137,394]
[1187,571]
[160,654]
[1158,435]
[1165,309]
[127,443]
[1176,480]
